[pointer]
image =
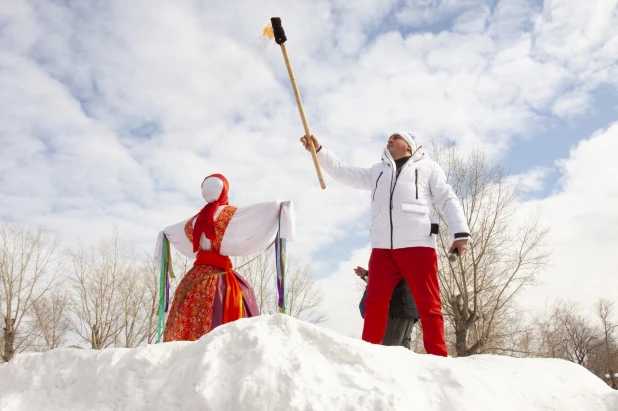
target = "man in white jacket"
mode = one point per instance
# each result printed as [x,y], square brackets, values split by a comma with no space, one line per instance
[403,187]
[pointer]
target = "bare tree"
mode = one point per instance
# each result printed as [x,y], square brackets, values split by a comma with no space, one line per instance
[416,344]
[302,295]
[50,320]
[151,276]
[99,275]
[509,333]
[259,271]
[139,304]
[526,343]
[550,337]
[568,332]
[569,335]
[29,265]
[479,290]
[182,264]
[118,302]
[608,352]
[582,338]
[140,298]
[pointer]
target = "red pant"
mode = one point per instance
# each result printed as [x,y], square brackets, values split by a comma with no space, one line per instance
[419,266]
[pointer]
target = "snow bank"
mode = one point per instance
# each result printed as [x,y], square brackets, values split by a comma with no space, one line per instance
[279,363]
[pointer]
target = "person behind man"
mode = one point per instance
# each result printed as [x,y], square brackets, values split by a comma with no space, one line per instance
[402,312]
[403,187]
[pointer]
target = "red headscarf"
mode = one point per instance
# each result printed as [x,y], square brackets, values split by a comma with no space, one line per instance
[205,222]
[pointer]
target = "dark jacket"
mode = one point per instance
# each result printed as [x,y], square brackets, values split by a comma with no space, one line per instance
[402,303]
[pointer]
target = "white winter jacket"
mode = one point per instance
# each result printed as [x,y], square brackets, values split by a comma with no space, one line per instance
[401,206]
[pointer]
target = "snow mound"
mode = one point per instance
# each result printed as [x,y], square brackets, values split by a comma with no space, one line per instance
[279,363]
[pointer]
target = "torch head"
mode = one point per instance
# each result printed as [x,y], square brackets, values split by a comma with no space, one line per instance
[279,33]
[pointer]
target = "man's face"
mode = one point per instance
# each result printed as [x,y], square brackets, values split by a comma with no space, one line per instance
[397,146]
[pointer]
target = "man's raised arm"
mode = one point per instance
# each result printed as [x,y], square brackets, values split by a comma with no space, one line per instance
[355,177]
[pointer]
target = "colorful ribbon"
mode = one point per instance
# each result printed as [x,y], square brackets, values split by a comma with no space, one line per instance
[280,263]
[164,285]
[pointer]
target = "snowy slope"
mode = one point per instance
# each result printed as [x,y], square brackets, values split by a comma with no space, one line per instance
[279,363]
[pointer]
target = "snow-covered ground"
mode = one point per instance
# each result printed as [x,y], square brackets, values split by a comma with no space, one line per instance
[279,363]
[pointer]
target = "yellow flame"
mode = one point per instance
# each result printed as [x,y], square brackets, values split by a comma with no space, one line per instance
[268,31]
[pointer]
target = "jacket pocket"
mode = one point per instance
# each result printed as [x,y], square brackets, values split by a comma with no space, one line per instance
[414,208]
[415,221]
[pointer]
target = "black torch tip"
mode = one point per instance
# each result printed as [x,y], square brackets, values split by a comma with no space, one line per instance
[278,31]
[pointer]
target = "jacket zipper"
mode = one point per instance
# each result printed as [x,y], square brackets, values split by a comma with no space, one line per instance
[376,189]
[390,210]
[416,181]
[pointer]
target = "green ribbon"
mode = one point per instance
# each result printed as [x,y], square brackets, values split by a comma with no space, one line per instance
[165,263]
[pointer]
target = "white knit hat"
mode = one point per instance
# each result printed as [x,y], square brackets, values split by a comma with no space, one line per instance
[410,139]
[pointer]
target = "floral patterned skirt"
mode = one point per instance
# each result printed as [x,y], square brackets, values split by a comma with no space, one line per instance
[198,303]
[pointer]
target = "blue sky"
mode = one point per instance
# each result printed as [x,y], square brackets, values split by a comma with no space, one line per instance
[112,113]
[544,147]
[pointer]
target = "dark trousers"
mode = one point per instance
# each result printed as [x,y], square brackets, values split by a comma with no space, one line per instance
[398,331]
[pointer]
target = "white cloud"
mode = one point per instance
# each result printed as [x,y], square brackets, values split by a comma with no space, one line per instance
[576,34]
[416,13]
[512,18]
[531,181]
[472,21]
[113,112]
[583,216]
[342,294]
[571,104]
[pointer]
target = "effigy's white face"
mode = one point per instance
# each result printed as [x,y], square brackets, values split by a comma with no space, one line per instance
[211,189]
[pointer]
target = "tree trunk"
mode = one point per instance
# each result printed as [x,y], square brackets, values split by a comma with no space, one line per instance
[461,339]
[9,341]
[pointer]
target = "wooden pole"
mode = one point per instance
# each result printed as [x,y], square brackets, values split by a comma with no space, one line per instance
[299,103]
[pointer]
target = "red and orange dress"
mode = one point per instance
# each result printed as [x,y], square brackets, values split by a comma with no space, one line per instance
[212,293]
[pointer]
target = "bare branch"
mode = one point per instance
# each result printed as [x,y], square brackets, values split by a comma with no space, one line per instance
[30,262]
